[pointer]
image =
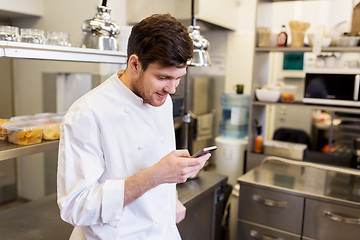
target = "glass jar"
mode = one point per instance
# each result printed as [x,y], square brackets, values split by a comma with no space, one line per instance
[263,35]
[288,93]
[9,33]
[58,38]
[31,35]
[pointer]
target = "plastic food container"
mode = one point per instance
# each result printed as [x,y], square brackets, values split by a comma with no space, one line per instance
[348,41]
[24,118]
[24,133]
[3,131]
[288,93]
[51,129]
[45,115]
[285,149]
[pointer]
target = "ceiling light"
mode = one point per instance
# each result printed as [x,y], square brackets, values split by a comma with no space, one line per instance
[201,56]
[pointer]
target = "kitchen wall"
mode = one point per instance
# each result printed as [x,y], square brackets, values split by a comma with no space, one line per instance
[240,48]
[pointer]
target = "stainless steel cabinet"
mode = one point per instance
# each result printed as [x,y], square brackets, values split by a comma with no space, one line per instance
[312,201]
[273,214]
[267,213]
[330,221]
[270,208]
[248,231]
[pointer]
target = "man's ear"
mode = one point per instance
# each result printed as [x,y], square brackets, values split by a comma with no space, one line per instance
[134,64]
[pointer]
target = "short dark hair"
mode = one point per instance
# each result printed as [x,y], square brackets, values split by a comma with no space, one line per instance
[160,38]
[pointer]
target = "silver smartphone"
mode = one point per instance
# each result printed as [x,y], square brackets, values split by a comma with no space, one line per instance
[204,151]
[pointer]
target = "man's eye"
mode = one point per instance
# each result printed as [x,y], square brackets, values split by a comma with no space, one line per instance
[162,78]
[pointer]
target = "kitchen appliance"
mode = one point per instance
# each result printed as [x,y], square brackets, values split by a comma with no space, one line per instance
[333,88]
[100,32]
[197,110]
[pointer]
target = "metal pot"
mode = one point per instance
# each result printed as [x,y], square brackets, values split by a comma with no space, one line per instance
[100,32]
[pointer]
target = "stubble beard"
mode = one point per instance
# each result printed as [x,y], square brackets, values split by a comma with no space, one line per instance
[139,90]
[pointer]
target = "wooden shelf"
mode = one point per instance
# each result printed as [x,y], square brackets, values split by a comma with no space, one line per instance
[9,150]
[59,53]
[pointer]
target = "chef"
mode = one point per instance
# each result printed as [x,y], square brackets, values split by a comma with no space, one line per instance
[117,166]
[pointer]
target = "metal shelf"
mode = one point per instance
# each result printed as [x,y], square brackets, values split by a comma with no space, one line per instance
[9,150]
[59,53]
[22,50]
[315,106]
[306,49]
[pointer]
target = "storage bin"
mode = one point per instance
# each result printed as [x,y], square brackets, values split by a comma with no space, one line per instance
[23,118]
[230,157]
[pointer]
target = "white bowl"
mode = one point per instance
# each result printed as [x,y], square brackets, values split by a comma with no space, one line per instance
[326,42]
[266,95]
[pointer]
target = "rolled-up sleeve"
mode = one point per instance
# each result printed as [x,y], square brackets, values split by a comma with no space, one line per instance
[82,198]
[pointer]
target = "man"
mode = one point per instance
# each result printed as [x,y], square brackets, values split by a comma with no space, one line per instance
[118,166]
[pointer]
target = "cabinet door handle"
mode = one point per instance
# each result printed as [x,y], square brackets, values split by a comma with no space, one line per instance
[338,218]
[269,202]
[256,235]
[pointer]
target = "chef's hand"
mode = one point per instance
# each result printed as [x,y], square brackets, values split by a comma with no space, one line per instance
[180,211]
[178,166]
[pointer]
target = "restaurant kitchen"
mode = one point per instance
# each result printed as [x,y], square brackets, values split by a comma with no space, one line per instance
[33,83]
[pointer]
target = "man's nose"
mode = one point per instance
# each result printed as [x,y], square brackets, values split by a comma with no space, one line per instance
[171,87]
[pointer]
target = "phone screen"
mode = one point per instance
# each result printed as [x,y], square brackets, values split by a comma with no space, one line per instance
[204,151]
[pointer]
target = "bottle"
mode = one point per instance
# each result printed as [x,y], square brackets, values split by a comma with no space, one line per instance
[355,158]
[258,139]
[282,37]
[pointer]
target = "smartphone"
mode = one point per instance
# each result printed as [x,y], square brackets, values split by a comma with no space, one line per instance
[204,151]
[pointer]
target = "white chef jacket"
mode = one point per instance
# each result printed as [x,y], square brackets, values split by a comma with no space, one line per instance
[108,135]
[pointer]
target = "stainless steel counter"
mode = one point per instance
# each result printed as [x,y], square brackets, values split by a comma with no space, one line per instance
[40,219]
[303,178]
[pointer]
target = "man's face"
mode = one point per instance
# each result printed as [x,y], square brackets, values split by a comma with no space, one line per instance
[155,83]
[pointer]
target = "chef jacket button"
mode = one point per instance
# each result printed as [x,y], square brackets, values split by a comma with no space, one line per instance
[140,147]
[126,110]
